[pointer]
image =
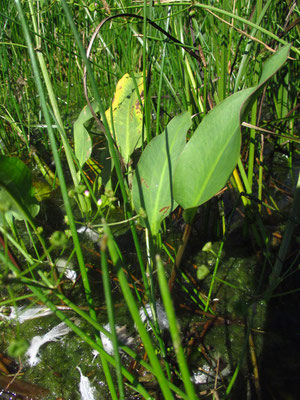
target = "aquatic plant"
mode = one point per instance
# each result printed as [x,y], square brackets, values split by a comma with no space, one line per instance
[157,134]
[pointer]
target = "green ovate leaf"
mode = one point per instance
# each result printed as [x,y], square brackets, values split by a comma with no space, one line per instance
[82,139]
[16,191]
[209,158]
[202,272]
[152,183]
[127,115]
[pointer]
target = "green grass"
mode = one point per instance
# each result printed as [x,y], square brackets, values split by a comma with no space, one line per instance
[210,51]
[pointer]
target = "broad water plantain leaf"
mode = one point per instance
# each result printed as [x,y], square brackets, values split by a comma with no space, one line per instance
[127,115]
[211,154]
[16,191]
[209,158]
[152,183]
[82,139]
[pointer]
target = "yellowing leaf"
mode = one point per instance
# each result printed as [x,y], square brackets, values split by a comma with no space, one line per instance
[127,115]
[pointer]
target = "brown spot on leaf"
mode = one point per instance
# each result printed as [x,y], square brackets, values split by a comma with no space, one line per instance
[143,182]
[164,210]
[137,106]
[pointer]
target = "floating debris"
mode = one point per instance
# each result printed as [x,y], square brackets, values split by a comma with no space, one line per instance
[24,313]
[95,354]
[89,233]
[106,342]
[161,316]
[86,390]
[67,268]
[37,341]
[208,375]
[122,335]
[202,377]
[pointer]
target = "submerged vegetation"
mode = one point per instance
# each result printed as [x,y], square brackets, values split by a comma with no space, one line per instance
[149,199]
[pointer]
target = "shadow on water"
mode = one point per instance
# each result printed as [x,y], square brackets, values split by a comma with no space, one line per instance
[280,361]
[278,348]
[276,333]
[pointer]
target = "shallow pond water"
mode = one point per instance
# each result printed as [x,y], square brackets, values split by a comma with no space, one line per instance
[215,341]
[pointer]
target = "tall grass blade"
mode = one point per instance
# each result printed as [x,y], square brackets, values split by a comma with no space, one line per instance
[134,311]
[174,330]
